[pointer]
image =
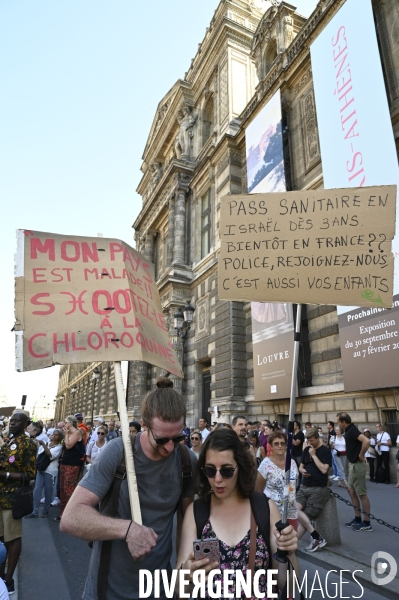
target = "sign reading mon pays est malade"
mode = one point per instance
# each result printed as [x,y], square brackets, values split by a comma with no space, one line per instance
[309,246]
[86,299]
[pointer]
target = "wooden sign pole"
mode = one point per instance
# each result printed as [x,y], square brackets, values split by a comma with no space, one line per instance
[130,470]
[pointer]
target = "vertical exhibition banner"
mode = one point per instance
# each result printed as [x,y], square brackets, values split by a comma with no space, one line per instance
[272,323]
[358,149]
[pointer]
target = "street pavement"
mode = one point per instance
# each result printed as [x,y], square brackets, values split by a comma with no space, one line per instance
[54,565]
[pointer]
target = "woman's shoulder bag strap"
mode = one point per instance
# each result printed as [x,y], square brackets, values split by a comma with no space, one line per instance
[261,512]
[259,507]
[202,510]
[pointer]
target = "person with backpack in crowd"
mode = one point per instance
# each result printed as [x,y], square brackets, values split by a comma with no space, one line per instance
[46,473]
[71,461]
[229,505]
[357,445]
[164,470]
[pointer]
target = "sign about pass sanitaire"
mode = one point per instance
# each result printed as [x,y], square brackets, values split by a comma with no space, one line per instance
[83,299]
[309,246]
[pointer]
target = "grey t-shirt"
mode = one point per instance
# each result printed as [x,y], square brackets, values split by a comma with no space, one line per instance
[160,485]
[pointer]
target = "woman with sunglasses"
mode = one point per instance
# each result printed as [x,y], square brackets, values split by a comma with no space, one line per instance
[196,442]
[94,448]
[271,476]
[227,474]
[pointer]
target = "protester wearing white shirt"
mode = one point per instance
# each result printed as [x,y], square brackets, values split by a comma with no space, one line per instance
[203,423]
[98,421]
[383,443]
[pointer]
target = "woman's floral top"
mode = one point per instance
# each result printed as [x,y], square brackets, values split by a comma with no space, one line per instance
[18,455]
[236,558]
[274,488]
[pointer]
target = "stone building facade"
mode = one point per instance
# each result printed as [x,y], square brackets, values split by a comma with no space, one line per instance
[79,391]
[195,154]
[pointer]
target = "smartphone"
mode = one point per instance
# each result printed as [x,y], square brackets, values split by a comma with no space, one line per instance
[207,549]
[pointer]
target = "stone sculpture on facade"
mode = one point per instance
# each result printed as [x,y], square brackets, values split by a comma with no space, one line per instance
[183,142]
[288,25]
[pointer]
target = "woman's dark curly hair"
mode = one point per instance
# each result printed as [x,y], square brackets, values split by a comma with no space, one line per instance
[219,441]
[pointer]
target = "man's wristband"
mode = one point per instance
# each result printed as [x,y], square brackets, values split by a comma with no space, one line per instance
[130,524]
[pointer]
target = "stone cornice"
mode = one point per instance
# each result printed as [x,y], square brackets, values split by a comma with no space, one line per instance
[190,89]
[290,60]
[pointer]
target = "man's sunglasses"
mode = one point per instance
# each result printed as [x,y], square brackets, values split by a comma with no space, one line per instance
[225,472]
[162,441]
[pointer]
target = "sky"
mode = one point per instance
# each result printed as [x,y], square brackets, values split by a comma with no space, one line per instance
[81,82]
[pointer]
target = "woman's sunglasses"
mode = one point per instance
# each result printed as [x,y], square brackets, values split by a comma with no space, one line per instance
[195,439]
[101,433]
[225,472]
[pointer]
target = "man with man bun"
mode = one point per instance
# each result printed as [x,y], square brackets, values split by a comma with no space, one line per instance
[158,459]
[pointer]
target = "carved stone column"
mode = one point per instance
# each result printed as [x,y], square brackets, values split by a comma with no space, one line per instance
[180,228]
[171,233]
[138,372]
[149,246]
[178,346]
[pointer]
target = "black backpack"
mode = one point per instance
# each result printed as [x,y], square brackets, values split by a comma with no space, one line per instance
[259,507]
[42,461]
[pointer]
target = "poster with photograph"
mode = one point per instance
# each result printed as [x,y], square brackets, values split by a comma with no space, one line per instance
[272,323]
[264,150]
[357,150]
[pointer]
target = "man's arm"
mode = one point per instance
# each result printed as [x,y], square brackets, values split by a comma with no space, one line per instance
[81,519]
[323,468]
[365,446]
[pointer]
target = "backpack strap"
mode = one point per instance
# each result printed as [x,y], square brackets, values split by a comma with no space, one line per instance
[109,506]
[186,469]
[261,511]
[202,510]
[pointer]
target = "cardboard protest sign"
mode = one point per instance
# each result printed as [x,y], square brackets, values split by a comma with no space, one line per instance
[83,299]
[309,246]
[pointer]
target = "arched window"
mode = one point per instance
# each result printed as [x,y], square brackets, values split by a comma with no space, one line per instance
[270,56]
[208,120]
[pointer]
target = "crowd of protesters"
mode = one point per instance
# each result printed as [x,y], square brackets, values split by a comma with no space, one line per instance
[61,457]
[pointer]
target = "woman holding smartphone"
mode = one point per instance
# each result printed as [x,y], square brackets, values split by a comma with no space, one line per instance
[227,475]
